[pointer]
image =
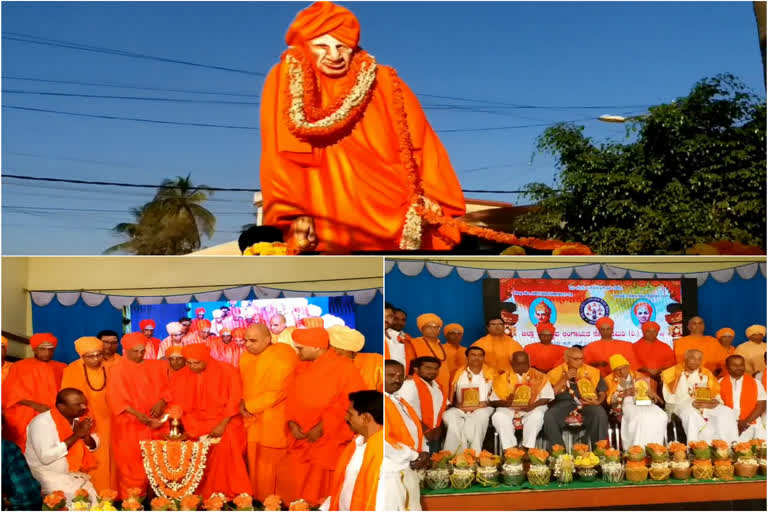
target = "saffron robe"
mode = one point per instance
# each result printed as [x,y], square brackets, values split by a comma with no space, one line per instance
[498,351]
[420,347]
[713,353]
[601,350]
[545,357]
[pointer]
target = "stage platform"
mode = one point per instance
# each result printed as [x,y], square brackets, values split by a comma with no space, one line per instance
[594,495]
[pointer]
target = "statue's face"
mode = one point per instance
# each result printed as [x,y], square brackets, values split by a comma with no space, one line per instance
[332,57]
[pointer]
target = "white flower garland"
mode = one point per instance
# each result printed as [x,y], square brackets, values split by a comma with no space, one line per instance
[363,83]
[149,451]
[412,230]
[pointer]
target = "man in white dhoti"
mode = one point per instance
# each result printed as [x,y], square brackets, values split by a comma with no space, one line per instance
[423,394]
[642,421]
[693,394]
[60,445]
[746,396]
[405,448]
[467,418]
[520,396]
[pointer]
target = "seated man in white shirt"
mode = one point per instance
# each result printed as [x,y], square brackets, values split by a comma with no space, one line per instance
[693,394]
[746,396]
[405,448]
[467,418]
[356,479]
[60,445]
[423,394]
[520,397]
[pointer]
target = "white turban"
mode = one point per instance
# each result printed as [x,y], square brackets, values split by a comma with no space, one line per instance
[217,314]
[314,310]
[173,328]
[330,321]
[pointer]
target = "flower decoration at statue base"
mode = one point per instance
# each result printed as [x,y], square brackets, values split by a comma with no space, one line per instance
[539,473]
[585,466]
[267,249]
[613,469]
[215,502]
[174,468]
[636,469]
[464,465]
[162,504]
[488,469]
[564,467]
[660,468]
[746,463]
[55,501]
[438,476]
[512,471]
[702,463]
[81,500]
[299,505]
[680,465]
[273,502]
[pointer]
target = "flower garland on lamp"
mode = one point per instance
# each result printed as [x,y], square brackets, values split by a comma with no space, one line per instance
[311,123]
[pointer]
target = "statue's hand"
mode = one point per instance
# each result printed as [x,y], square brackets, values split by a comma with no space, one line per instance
[303,233]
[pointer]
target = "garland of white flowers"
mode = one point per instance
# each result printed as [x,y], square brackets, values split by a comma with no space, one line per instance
[194,475]
[363,83]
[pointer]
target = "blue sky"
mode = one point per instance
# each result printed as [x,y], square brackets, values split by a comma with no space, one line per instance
[620,57]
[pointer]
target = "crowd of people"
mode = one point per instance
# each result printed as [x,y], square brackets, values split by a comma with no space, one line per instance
[443,395]
[293,411]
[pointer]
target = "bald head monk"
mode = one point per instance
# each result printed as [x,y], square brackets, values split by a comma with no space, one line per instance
[712,351]
[336,162]
[651,354]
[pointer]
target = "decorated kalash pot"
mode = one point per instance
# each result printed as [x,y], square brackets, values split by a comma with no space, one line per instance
[512,470]
[660,468]
[539,473]
[175,466]
[464,465]
[680,465]
[746,463]
[759,448]
[439,474]
[636,469]
[613,469]
[586,466]
[488,469]
[723,464]
[702,460]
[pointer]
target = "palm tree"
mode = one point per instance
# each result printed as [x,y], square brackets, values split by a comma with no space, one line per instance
[171,223]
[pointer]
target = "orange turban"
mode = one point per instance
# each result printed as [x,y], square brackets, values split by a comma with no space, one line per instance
[174,350]
[312,321]
[322,18]
[5,341]
[200,311]
[133,339]
[203,324]
[603,322]
[147,324]
[44,337]
[238,333]
[545,326]
[650,325]
[88,344]
[429,318]
[197,351]
[453,327]
[725,331]
[312,337]
[225,330]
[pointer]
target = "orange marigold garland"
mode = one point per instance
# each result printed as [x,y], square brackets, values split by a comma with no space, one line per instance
[174,468]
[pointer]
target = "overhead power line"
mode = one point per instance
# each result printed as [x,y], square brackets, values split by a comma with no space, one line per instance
[133,98]
[32,39]
[143,185]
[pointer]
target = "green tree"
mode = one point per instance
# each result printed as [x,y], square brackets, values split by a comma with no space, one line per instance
[692,171]
[172,223]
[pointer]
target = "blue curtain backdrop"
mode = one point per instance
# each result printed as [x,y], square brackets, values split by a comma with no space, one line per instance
[738,303]
[70,323]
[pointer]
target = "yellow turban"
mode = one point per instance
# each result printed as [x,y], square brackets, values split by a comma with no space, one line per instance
[88,344]
[453,327]
[725,331]
[5,341]
[617,361]
[429,318]
[755,329]
[344,338]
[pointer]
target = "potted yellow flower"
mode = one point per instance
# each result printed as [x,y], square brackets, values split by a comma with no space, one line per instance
[585,465]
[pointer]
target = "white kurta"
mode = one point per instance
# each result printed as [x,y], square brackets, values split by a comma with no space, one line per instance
[350,477]
[533,421]
[468,429]
[756,431]
[398,482]
[396,349]
[47,459]
[700,425]
[410,394]
[640,424]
